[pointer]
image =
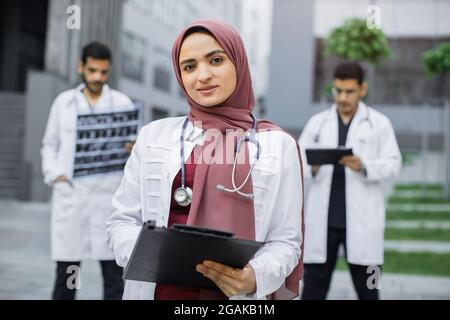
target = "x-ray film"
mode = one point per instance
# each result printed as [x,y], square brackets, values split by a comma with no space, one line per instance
[101,139]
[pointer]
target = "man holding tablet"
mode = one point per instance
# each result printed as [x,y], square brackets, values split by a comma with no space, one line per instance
[345,203]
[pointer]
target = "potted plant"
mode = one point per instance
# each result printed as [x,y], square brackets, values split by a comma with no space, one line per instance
[353,40]
[436,64]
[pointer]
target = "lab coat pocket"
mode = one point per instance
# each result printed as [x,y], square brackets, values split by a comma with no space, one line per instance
[63,189]
[156,159]
[365,146]
[156,174]
[267,165]
[263,179]
[322,172]
[62,200]
[260,190]
[154,166]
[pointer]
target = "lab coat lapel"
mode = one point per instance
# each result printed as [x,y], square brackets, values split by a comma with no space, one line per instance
[189,135]
[333,132]
[356,122]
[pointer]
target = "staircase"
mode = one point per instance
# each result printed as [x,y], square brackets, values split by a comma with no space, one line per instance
[12,122]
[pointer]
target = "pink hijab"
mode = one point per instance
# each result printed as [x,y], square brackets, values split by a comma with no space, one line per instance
[210,207]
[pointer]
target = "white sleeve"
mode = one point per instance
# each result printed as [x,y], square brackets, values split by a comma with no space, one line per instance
[389,160]
[281,253]
[125,222]
[305,141]
[51,145]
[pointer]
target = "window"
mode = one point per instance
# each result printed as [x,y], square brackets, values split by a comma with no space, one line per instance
[159,113]
[133,63]
[162,70]
[399,80]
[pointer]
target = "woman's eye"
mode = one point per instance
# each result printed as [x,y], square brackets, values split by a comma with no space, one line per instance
[216,60]
[188,67]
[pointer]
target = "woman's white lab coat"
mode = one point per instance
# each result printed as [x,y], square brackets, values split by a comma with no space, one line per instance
[79,212]
[146,190]
[372,138]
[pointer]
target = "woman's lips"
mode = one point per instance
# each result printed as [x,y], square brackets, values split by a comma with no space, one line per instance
[207,90]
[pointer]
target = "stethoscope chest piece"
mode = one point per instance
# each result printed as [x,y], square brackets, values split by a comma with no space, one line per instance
[183,196]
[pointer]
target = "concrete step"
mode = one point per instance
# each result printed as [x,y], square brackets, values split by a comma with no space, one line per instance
[417,246]
[418,207]
[411,224]
[408,194]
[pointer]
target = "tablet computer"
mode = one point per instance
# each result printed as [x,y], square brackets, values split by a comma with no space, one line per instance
[326,156]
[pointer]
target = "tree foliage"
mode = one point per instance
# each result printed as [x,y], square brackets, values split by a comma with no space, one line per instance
[437,61]
[355,41]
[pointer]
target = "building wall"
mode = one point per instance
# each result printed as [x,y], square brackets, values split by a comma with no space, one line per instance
[291,63]
[140,33]
[100,21]
[399,18]
[149,29]
[399,80]
[43,87]
[257,36]
[22,41]
[297,25]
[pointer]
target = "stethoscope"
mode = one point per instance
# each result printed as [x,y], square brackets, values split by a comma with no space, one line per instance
[316,137]
[183,194]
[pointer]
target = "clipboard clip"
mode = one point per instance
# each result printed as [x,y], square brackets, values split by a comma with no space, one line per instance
[150,224]
[202,231]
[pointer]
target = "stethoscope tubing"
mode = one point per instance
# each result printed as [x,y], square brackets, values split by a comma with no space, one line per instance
[249,137]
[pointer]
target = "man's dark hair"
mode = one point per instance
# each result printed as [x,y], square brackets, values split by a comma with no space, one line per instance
[349,70]
[96,50]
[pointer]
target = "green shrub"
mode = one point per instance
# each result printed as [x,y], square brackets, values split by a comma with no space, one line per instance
[436,61]
[355,41]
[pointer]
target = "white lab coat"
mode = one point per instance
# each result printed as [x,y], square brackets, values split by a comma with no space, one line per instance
[79,213]
[146,190]
[372,138]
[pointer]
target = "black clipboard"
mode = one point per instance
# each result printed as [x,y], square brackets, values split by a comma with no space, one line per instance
[326,156]
[169,256]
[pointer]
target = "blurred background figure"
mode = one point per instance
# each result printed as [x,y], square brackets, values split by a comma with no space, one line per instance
[293,48]
[81,205]
[346,200]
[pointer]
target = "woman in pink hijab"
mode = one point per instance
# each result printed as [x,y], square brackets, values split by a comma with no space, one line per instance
[254,190]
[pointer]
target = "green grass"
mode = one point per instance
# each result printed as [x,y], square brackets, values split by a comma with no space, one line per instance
[412,263]
[425,200]
[413,215]
[418,186]
[420,234]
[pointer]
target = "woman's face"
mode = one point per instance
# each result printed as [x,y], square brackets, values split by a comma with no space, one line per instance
[208,75]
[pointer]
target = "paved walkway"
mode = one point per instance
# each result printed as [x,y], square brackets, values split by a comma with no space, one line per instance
[27,272]
[394,287]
